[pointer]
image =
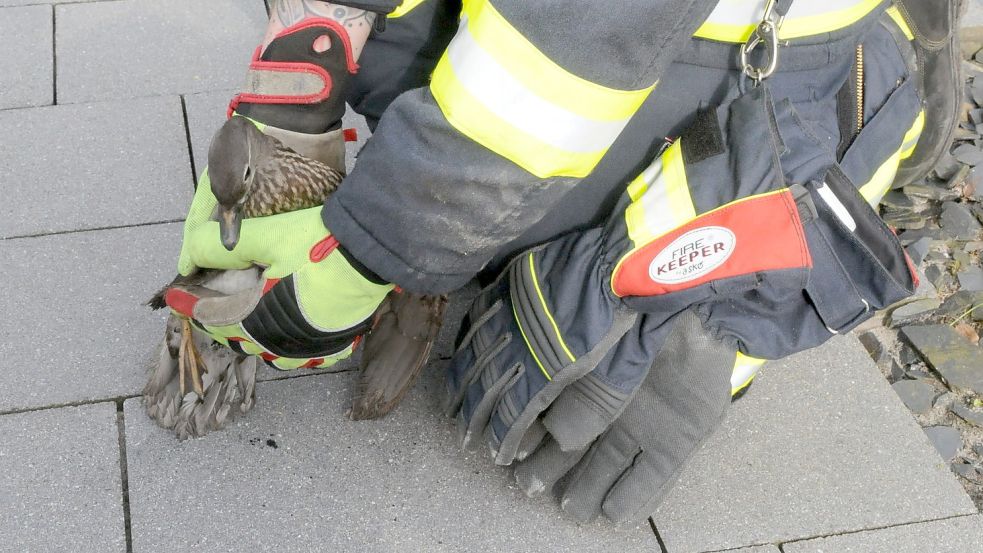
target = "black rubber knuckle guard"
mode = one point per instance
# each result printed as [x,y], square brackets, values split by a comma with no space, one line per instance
[278,325]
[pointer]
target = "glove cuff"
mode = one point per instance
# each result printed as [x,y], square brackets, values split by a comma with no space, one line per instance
[292,85]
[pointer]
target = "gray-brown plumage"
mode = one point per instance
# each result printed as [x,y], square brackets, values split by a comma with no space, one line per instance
[405,328]
[198,385]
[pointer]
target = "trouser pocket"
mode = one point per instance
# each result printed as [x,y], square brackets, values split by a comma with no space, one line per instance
[858,264]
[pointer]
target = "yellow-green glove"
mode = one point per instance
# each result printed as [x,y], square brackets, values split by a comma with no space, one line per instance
[317,302]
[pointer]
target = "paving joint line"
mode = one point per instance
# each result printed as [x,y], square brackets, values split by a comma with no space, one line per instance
[187,137]
[658,536]
[886,527]
[92,229]
[80,403]
[781,545]
[124,475]
[112,99]
[287,375]
[59,3]
[54,57]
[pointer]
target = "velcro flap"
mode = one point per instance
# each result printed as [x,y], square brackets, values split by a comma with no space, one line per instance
[277,82]
[296,80]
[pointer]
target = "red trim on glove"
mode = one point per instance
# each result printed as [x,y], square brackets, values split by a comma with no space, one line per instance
[284,67]
[181,301]
[269,284]
[351,135]
[323,249]
[755,234]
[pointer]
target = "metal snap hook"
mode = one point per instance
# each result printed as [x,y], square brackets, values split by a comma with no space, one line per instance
[765,34]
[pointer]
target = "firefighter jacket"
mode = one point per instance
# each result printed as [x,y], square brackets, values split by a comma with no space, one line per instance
[535,115]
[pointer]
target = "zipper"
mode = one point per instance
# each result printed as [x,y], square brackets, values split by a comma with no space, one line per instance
[860,88]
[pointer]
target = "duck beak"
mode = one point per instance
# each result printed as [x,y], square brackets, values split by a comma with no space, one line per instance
[229,222]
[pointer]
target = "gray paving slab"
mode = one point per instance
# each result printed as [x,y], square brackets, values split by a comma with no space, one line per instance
[330,484]
[93,165]
[26,64]
[74,325]
[757,549]
[954,535]
[6,3]
[60,481]
[137,48]
[820,445]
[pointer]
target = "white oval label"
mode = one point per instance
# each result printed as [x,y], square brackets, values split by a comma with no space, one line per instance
[692,255]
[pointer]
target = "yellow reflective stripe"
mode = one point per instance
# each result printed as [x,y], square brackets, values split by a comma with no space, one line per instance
[911,137]
[880,183]
[290,364]
[404,8]
[883,177]
[735,389]
[661,199]
[473,119]
[498,89]
[745,369]
[546,309]
[735,20]
[524,62]
[529,345]
[900,22]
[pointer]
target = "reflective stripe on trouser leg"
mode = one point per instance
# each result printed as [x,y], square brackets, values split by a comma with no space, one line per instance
[881,181]
[745,369]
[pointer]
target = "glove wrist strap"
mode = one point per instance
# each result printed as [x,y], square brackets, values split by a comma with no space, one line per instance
[294,86]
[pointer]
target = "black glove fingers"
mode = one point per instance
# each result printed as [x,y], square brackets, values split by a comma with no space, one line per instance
[596,473]
[504,406]
[475,368]
[544,467]
[531,440]
[478,321]
[489,393]
[629,502]
[583,411]
[457,383]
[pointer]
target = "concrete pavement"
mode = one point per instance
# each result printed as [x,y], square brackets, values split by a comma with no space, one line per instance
[820,456]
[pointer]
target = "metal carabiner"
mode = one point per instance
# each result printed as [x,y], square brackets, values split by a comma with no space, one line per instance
[766,33]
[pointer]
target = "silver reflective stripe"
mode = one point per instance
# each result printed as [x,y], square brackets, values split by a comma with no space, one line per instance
[659,215]
[837,206]
[744,370]
[505,96]
[750,12]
